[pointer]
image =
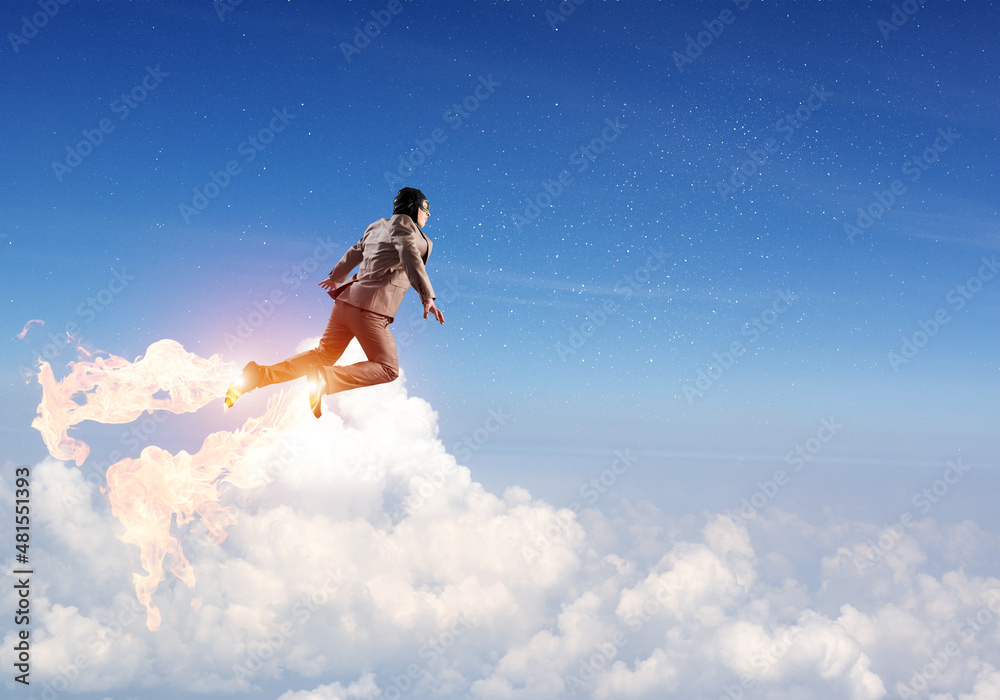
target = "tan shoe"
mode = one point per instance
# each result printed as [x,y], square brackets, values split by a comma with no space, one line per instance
[247,381]
[317,387]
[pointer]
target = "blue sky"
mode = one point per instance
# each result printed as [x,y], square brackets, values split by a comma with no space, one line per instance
[805,111]
[656,186]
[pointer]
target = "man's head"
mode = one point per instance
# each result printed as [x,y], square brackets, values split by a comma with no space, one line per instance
[413,203]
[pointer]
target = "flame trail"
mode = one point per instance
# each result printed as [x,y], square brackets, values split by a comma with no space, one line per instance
[118,391]
[148,492]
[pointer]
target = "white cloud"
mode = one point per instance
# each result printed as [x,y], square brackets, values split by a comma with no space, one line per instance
[362,689]
[364,561]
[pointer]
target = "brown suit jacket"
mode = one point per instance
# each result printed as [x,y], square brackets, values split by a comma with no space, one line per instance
[392,254]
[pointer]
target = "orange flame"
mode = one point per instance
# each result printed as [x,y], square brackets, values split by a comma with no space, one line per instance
[118,391]
[147,493]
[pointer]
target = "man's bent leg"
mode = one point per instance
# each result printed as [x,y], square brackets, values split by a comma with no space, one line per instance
[331,346]
[372,331]
[292,368]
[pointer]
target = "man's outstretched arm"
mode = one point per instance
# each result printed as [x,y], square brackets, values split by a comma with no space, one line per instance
[404,239]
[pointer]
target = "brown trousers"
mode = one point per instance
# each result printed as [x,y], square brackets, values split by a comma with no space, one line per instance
[346,322]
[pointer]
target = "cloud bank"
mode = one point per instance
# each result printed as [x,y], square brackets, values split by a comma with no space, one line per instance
[361,560]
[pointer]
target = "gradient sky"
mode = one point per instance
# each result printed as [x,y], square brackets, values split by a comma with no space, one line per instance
[513,291]
[522,289]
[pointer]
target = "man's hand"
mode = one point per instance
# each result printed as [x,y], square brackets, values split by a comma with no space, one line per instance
[429,308]
[329,285]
